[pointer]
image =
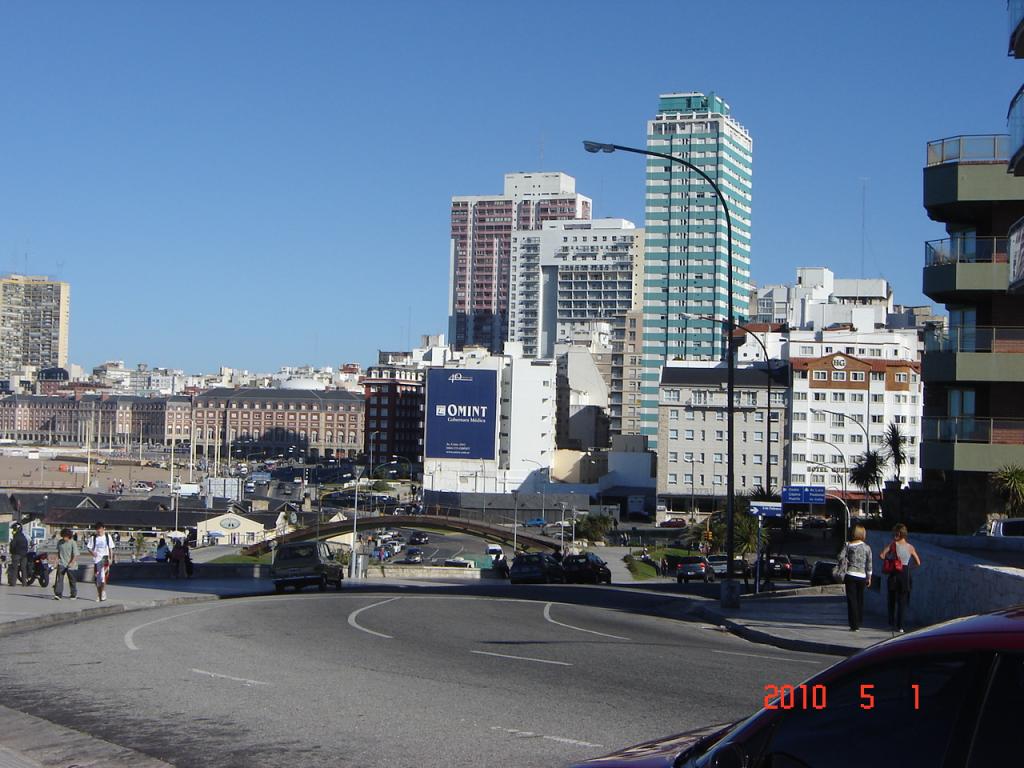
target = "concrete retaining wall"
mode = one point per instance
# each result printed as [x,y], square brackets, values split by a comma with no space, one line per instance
[421,572]
[947,585]
[159,571]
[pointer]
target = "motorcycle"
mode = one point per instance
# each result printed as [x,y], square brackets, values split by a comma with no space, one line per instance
[39,568]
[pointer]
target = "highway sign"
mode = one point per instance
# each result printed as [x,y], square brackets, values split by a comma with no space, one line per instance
[766,508]
[803,494]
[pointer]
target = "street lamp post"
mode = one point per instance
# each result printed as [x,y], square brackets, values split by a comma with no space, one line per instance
[693,479]
[543,489]
[353,570]
[846,473]
[730,597]
[867,438]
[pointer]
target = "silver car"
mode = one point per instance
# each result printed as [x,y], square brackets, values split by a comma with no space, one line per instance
[694,567]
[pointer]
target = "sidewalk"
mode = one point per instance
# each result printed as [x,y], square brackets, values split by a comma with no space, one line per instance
[27,608]
[811,621]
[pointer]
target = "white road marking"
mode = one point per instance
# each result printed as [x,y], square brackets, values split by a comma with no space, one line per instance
[761,656]
[523,658]
[353,623]
[245,680]
[129,636]
[547,616]
[531,734]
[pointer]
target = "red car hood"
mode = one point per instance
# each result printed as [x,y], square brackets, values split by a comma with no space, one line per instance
[656,754]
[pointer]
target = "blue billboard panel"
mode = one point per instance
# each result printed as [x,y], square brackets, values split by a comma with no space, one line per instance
[462,414]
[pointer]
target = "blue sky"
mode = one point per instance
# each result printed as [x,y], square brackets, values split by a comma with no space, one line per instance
[262,184]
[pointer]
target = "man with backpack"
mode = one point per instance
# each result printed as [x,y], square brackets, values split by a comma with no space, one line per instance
[101,546]
[18,569]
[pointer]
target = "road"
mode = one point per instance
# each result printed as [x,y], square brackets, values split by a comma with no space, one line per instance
[406,676]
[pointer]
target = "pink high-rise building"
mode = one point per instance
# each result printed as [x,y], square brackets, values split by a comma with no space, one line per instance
[481,249]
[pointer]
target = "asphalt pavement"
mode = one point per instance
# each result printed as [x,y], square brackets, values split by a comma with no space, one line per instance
[401,676]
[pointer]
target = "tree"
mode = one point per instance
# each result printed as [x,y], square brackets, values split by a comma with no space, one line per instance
[1009,483]
[593,527]
[744,533]
[894,442]
[868,470]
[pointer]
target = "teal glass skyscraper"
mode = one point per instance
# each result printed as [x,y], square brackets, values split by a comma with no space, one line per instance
[686,251]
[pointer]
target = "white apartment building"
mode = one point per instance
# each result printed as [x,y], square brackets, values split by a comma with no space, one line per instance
[567,276]
[35,314]
[819,299]
[692,438]
[524,434]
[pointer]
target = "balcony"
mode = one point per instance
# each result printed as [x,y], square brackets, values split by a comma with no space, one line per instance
[971,444]
[1015,16]
[1015,122]
[965,264]
[974,354]
[965,175]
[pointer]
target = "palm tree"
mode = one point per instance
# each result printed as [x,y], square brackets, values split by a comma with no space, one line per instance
[1009,483]
[868,470]
[894,442]
[744,533]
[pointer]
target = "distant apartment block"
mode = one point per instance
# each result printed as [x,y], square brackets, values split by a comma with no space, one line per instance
[481,250]
[34,318]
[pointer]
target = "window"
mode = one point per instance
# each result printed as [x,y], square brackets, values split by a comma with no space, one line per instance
[719,480]
[673,457]
[857,438]
[671,395]
[838,375]
[799,416]
[901,378]
[758,458]
[856,375]
[673,434]
[796,396]
[673,479]
[689,434]
[878,398]
[718,458]
[806,350]
[701,397]
[838,438]
[817,417]
[759,437]
[877,376]
[898,693]
[821,396]
[759,417]
[856,397]
[799,457]
[719,434]
[688,456]
[689,415]
[877,418]
[818,436]
[673,414]
[688,479]
[799,478]
[821,375]
[838,397]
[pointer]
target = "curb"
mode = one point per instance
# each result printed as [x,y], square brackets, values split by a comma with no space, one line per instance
[823,589]
[74,617]
[766,638]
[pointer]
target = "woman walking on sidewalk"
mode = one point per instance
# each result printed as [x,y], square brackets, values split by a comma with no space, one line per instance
[896,562]
[855,568]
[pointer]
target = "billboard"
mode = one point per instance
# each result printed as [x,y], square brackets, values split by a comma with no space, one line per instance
[462,414]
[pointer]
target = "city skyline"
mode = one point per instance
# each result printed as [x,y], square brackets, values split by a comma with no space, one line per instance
[178,196]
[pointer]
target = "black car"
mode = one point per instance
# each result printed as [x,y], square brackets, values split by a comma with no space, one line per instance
[307,563]
[821,573]
[586,569]
[536,567]
[780,566]
[801,568]
[419,537]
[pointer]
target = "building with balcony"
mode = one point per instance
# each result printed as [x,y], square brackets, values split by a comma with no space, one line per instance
[481,249]
[35,314]
[686,246]
[395,398]
[972,372]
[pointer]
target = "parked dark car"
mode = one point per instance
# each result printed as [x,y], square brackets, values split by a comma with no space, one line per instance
[306,563]
[694,567]
[537,567]
[676,523]
[414,555]
[954,686]
[779,566]
[419,537]
[587,568]
[821,573]
[801,568]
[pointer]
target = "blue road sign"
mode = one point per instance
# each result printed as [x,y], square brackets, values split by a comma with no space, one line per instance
[803,494]
[766,508]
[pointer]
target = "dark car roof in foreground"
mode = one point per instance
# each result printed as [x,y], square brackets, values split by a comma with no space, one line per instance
[999,630]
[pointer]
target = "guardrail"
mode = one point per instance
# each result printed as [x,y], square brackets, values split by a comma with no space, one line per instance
[965,250]
[973,430]
[982,339]
[978,148]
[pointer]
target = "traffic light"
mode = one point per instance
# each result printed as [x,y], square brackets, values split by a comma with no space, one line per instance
[708,536]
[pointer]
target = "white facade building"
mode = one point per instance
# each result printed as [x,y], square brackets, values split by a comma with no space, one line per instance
[569,275]
[819,299]
[525,435]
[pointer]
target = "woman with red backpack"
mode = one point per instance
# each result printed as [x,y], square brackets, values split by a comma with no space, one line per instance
[896,560]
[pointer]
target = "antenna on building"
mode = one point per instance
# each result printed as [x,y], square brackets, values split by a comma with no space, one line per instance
[863,220]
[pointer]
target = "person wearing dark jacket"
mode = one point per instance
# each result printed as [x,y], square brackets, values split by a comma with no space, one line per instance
[18,569]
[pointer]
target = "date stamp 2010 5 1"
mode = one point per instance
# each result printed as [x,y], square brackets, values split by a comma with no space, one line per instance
[816,696]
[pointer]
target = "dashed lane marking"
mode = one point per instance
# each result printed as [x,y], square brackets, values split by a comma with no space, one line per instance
[530,734]
[523,658]
[219,676]
[353,623]
[547,616]
[762,656]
